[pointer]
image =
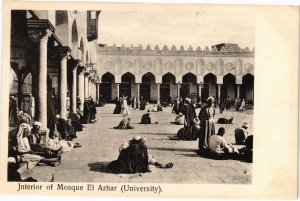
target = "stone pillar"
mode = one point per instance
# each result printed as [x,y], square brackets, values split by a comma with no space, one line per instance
[74,89]
[238,91]
[81,87]
[86,85]
[199,91]
[63,84]
[158,93]
[42,85]
[138,91]
[118,89]
[178,90]
[219,93]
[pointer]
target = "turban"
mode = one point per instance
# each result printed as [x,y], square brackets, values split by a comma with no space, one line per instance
[136,137]
[245,124]
[211,99]
[37,123]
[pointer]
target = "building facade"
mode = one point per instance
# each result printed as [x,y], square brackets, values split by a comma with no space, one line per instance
[53,51]
[225,70]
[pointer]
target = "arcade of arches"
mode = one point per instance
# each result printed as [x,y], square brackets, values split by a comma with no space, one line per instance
[168,89]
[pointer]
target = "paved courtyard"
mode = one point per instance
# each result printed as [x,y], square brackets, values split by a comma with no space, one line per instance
[100,144]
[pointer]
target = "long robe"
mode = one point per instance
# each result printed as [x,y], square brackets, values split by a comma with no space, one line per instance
[207,125]
[13,120]
[124,107]
[146,119]
[86,112]
[142,104]
[190,115]
[176,108]
[93,109]
[133,159]
[31,110]
[117,109]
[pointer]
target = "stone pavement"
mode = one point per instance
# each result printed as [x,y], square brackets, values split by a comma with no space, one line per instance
[100,144]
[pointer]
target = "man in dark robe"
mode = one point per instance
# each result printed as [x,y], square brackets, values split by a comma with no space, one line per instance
[142,103]
[181,106]
[93,109]
[222,105]
[50,113]
[190,114]
[86,112]
[13,119]
[176,108]
[146,119]
[133,159]
[75,121]
[117,109]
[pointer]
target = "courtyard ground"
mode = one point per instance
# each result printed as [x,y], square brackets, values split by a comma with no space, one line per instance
[100,144]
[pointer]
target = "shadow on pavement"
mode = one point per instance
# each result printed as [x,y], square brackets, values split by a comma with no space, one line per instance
[173,149]
[99,167]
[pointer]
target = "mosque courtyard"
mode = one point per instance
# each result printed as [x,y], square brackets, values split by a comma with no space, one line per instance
[100,145]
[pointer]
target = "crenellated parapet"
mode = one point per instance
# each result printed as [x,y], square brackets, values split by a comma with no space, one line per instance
[220,50]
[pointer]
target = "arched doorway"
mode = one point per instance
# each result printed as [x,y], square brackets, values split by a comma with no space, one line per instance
[247,88]
[228,89]
[189,86]
[209,86]
[126,82]
[147,81]
[106,86]
[168,82]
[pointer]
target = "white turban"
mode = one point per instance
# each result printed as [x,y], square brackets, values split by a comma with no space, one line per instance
[37,123]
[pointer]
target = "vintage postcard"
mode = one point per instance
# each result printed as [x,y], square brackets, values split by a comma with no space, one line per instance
[149,100]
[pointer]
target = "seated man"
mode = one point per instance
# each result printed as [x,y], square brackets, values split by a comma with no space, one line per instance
[159,108]
[76,121]
[146,119]
[154,109]
[225,121]
[218,146]
[124,124]
[23,117]
[65,128]
[241,134]
[179,119]
[247,151]
[132,159]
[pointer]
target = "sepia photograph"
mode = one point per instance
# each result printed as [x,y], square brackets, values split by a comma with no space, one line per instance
[133,94]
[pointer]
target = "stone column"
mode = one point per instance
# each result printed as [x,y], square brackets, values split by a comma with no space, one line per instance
[158,93]
[63,84]
[42,85]
[118,89]
[199,91]
[81,87]
[178,90]
[74,89]
[219,93]
[97,91]
[238,91]
[86,85]
[138,91]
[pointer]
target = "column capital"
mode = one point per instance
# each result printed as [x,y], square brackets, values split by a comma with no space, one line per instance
[39,29]
[63,51]
[73,63]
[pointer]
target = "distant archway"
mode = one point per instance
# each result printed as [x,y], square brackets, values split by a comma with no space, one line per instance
[168,85]
[148,81]
[247,88]
[189,86]
[209,87]
[127,80]
[228,89]
[107,81]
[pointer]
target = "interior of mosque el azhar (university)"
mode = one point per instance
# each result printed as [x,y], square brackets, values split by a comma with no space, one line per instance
[57,50]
